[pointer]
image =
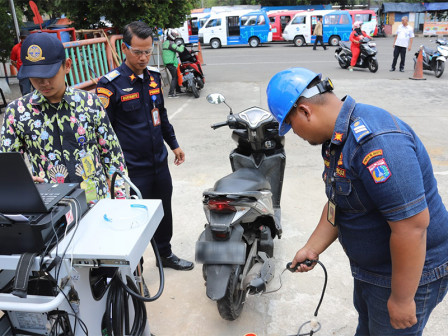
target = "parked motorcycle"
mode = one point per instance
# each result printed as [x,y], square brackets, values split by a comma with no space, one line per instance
[243,212]
[366,59]
[192,76]
[434,60]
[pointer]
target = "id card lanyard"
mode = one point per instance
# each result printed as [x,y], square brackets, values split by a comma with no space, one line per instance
[331,210]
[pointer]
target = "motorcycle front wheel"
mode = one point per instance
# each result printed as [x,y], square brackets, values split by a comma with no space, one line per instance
[373,65]
[231,305]
[440,66]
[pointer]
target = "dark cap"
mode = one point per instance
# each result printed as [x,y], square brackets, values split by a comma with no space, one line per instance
[24,33]
[42,55]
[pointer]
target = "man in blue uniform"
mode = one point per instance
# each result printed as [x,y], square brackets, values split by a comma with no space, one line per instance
[383,203]
[132,96]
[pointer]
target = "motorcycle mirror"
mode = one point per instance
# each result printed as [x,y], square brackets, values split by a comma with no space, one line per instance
[215,98]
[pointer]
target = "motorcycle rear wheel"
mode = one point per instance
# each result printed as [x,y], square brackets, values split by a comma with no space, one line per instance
[199,82]
[194,89]
[231,305]
[440,67]
[373,65]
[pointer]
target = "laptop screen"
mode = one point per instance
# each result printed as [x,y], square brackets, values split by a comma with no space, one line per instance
[18,192]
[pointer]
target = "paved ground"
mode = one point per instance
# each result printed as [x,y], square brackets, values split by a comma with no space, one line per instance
[242,74]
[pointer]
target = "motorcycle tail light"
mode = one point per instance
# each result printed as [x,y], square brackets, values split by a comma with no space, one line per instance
[221,206]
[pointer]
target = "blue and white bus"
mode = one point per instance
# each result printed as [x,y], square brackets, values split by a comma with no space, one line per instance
[236,28]
[337,26]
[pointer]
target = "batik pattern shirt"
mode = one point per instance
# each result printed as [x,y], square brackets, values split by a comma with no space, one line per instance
[66,142]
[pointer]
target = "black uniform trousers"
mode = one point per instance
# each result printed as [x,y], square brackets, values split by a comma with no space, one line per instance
[159,186]
[399,51]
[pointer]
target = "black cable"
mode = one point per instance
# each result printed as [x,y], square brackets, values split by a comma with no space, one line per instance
[318,305]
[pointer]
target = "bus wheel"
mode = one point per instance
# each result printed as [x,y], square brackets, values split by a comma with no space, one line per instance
[299,41]
[254,42]
[334,40]
[215,43]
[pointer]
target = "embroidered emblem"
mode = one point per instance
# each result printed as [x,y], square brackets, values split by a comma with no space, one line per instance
[340,162]
[104,91]
[34,53]
[132,77]
[153,84]
[379,171]
[338,136]
[371,155]
[154,91]
[151,78]
[131,96]
[128,89]
[327,163]
[111,75]
[105,100]
[340,171]
[360,129]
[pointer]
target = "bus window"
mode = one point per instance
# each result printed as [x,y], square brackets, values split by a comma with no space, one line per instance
[363,17]
[344,20]
[251,21]
[194,26]
[214,23]
[272,19]
[299,20]
[261,21]
[284,21]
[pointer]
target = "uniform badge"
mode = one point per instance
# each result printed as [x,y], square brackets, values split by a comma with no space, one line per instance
[131,96]
[132,77]
[111,75]
[340,171]
[34,53]
[153,84]
[338,136]
[340,161]
[154,91]
[379,171]
[359,129]
[101,90]
[371,155]
[128,89]
[105,100]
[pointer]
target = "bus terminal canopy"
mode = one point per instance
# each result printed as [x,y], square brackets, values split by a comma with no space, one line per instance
[402,7]
[436,6]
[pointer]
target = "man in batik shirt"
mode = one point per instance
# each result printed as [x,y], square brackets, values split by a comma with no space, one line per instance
[65,132]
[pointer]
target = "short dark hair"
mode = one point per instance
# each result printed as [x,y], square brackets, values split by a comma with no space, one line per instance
[137,28]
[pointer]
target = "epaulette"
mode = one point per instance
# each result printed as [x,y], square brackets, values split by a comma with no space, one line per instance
[360,129]
[112,75]
[151,68]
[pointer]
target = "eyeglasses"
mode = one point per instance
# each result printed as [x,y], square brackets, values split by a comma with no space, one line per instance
[137,52]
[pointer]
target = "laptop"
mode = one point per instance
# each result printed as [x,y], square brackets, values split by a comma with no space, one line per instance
[18,192]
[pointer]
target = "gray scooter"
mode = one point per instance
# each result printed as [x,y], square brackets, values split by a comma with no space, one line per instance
[243,212]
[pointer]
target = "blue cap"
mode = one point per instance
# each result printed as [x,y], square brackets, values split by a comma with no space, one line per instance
[42,55]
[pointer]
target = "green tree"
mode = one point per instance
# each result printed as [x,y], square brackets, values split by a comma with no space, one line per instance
[88,13]
[7,31]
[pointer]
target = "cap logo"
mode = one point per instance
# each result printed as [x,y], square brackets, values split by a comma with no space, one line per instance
[34,53]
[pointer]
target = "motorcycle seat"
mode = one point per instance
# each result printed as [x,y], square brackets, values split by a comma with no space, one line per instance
[344,44]
[244,179]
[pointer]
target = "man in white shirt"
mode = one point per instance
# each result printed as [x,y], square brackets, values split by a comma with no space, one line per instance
[403,40]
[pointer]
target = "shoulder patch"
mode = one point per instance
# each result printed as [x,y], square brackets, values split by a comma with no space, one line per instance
[371,155]
[105,100]
[360,129]
[101,90]
[154,69]
[380,171]
[112,75]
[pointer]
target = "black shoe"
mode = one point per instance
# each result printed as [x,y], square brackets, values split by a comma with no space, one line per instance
[180,92]
[173,95]
[401,70]
[176,263]
[392,69]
